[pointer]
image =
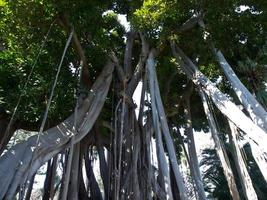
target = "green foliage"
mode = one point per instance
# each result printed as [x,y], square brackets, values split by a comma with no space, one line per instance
[240,34]
[254,73]
[151,15]
[23,26]
[214,180]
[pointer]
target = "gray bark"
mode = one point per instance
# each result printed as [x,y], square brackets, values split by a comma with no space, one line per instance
[164,126]
[164,175]
[241,168]
[226,106]
[49,180]
[128,53]
[23,163]
[221,152]
[259,157]
[139,68]
[68,171]
[193,160]
[74,177]
[253,107]
[136,154]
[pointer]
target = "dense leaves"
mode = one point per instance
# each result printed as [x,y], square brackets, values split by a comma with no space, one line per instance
[33,35]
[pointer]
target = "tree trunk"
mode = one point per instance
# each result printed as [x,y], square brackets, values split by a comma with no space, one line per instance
[30,187]
[241,168]
[47,186]
[53,140]
[229,109]
[253,107]
[95,193]
[164,177]
[74,176]
[158,110]
[50,178]
[193,160]
[220,149]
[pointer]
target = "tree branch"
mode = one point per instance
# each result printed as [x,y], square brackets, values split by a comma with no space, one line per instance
[190,23]
[140,66]
[65,23]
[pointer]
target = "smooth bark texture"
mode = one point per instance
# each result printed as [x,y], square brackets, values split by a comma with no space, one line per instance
[131,172]
[139,68]
[241,168]
[159,111]
[222,102]
[74,177]
[259,157]
[253,107]
[220,149]
[23,163]
[164,177]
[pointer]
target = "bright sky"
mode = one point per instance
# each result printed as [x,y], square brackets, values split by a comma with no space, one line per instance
[123,21]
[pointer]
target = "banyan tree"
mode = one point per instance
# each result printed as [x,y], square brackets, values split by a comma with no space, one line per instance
[68,74]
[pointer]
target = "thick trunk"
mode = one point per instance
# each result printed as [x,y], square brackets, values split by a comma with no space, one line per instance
[256,135]
[253,107]
[119,164]
[220,149]
[53,140]
[158,109]
[241,168]
[125,151]
[164,177]
[147,157]
[139,68]
[54,172]
[64,162]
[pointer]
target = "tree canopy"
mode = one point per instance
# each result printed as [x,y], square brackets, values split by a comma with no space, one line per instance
[197,63]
